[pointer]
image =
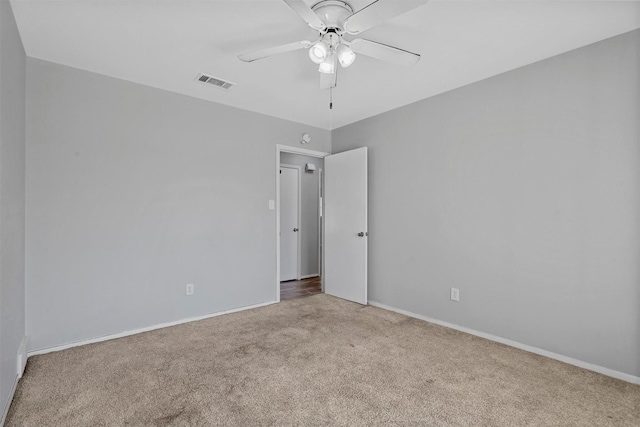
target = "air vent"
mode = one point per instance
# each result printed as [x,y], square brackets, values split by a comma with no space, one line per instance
[214,81]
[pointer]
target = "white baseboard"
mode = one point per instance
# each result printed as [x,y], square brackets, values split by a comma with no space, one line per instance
[140,330]
[22,357]
[308,276]
[7,404]
[571,361]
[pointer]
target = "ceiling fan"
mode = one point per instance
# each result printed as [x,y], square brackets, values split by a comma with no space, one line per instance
[334,19]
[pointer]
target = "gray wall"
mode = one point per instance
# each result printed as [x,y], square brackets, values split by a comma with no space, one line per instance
[523,192]
[309,211]
[12,194]
[133,192]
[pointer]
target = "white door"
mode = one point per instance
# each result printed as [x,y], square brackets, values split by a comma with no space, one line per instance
[289,224]
[345,220]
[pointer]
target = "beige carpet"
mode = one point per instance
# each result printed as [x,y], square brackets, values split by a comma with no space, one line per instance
[314,361]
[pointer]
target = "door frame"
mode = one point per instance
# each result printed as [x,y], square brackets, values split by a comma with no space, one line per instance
[280,148]
[321,224]
[299,217]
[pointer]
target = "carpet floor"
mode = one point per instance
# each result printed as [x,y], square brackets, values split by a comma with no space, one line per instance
[313,361]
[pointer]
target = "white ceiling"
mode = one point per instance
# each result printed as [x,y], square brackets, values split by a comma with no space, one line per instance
[166,43]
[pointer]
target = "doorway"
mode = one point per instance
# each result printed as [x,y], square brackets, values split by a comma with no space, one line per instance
[308,281]
[343,234]
[300,225]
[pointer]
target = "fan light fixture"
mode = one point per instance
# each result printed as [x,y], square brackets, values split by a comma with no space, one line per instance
[345,55]
[328,66]
[318,52]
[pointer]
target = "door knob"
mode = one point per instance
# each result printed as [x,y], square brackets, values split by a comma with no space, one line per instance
[295,229]
[362,234]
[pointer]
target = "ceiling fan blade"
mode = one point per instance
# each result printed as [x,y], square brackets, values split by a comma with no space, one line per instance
[329,81]
[384,52]
[264,53]
[302,8]
[378,12]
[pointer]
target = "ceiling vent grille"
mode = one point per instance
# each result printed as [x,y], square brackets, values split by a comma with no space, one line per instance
[214,81]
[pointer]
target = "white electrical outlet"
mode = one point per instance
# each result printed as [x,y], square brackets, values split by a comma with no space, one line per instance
[189,289]
[455,294]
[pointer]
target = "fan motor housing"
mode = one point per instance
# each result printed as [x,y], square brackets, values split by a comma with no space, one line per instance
[333,13]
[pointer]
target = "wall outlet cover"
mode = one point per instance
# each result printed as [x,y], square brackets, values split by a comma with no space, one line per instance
[455,294]
[189,289]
